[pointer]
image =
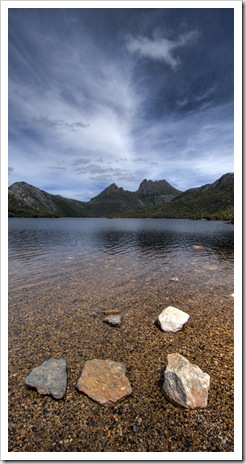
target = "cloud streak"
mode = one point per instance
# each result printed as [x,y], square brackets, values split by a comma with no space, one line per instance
[58,123]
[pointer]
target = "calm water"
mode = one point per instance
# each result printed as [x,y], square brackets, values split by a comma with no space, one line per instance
[118,251]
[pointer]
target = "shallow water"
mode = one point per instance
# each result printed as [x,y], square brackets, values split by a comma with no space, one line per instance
[64,274]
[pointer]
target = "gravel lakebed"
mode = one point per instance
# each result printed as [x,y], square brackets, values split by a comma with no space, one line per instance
[62,317]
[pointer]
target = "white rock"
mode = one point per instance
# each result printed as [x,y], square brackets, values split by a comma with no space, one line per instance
[114,320]
[172,319]
[185,383]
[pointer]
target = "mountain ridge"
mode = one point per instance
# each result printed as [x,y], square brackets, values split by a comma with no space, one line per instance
[210,201]
[152,199]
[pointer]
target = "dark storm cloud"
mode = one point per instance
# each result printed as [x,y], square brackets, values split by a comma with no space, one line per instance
[120,95]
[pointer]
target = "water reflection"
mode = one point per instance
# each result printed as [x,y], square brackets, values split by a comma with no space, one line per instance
[112,255]
[50,239]
[214,238]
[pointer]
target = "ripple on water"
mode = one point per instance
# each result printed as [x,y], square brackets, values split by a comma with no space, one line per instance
[46,251]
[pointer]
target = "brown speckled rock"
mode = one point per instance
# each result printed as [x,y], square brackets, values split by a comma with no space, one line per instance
[104,381]
[50,378]
[185,383]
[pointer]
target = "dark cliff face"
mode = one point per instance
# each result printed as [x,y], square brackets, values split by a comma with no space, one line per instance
[158,187]
[31,196]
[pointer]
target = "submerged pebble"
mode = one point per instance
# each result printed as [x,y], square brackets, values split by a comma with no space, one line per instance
[114,320]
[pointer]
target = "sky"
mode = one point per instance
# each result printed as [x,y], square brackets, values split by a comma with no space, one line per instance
[107,95]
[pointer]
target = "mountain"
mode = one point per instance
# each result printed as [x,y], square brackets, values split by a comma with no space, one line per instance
[25,200]
[110,192]
[149,193]
[29,201]
[152,199]
[210,201]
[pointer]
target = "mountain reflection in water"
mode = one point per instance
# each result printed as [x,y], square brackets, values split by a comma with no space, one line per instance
[49,248]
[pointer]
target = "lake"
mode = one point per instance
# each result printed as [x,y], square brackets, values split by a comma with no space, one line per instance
[65,275]
[47,250]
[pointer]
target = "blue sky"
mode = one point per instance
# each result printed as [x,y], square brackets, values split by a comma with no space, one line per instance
[118,95]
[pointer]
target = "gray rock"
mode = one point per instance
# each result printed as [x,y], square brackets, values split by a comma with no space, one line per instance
[50,378]
[185,383]
[172,319]
[104,381]
[114,320]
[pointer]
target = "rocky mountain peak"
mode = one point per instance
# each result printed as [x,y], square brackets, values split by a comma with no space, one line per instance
[158,187]
[109,192]
[30,196]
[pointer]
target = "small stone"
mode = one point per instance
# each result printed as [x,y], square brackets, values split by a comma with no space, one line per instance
[174,279]
[185,383]
[172,319]
[104,381]
[50,378]
[114,320]
[198,247]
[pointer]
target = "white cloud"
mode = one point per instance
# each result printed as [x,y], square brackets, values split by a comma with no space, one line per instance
[160,48]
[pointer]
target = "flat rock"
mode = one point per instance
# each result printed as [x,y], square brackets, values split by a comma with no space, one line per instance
[114,320]
[172,319]
[111,311]
[50,378]
[185,383]
[104,381]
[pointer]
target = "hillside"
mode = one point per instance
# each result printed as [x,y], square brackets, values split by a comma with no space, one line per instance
[210,201]
[26,200]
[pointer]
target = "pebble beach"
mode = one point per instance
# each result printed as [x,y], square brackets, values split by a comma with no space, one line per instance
[63,318]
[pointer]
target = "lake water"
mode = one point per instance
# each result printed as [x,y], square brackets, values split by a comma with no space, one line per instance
[65,275]
[116,251]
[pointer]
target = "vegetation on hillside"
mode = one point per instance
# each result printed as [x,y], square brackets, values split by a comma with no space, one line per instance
[152,200]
